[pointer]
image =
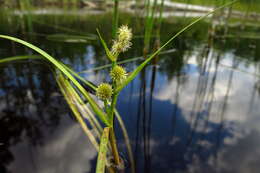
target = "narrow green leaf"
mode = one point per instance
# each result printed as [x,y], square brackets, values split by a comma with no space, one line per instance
[124,61]
[17,58]
[59,66]
[70,96]
[109,54]
[80,78]
[110,65]
[81,107]
[102,154]
[127,141]
[141,66]
[26,57]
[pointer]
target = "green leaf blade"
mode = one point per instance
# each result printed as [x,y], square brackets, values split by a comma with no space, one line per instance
[102,154]
[141,66]
[108,53]
[18,58]
[61,67]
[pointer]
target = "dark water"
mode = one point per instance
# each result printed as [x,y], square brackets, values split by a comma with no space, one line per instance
[194,110]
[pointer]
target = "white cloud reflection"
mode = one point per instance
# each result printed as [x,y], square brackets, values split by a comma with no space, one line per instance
[234,104]
[240,94]
[65,151]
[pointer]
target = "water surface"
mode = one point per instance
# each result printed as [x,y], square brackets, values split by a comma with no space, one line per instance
[196,109]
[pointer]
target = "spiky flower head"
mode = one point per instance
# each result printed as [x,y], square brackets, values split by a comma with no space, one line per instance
[117,47]
[123,41]
[124,33]
[104,91]
[118,74]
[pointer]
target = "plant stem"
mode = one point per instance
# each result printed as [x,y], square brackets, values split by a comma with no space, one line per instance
[106,106]
[112,139]
[115,19]
[114,100]
[111,170]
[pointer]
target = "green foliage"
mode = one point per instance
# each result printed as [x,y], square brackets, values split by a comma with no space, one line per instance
[149,22]
[59,66]
[140,67]
[17,58]
[73,92]
[102,154]
[109,54]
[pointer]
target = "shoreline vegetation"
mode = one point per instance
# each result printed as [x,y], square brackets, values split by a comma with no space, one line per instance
[98,6]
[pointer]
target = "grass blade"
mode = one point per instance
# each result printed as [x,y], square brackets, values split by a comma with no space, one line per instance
[26,57]
[127,141]
[110,65]
[92,86]
[17,58]
[141,66]
[102,154]
[69,96]
[59,66]
[124,62]
[109,54]
[72,98]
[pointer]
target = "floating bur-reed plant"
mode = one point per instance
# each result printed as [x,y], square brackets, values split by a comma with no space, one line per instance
[118,74]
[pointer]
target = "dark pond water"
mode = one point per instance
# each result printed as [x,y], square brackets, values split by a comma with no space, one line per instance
[194,110]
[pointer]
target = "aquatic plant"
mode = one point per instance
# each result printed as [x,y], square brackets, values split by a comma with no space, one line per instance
[149,23]
[113,56]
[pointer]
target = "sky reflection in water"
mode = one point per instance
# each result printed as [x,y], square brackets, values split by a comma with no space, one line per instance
[205,120]
[201,118]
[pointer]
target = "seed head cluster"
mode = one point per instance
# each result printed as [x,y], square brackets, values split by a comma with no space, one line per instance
[123,41]
[104,91]
[118,74]
[124,34]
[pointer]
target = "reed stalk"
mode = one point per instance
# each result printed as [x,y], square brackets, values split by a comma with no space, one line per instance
[149,23]
[115,18]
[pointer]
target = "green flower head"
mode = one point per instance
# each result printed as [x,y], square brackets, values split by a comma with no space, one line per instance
[123,41]
[124,34]
[104,91]
[118,74]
